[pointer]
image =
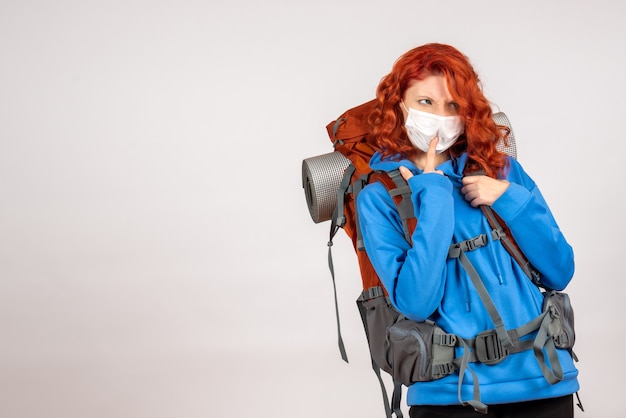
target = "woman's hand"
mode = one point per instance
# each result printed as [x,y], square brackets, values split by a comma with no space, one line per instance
[429,166]
[483,190]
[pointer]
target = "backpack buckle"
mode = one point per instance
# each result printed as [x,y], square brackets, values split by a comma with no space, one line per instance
[488,348]
[372,293]
[448,340]
[468,245]
[476,242]
[443,369]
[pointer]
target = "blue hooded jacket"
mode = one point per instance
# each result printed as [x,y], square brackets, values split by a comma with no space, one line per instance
[423,283]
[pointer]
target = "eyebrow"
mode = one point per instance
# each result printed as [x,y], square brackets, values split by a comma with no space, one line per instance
[431,99]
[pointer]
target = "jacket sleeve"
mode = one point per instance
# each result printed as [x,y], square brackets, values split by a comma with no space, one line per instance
[414,275]
[534,228]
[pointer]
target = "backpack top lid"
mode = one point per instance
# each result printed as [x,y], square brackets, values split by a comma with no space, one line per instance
[349,134]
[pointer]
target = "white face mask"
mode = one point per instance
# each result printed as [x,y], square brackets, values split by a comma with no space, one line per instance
[422,127]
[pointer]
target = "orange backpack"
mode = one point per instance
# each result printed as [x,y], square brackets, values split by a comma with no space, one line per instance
[332,182]
[343,174]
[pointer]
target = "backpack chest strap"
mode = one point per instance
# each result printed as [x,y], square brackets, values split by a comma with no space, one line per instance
[492,346]
[458,250]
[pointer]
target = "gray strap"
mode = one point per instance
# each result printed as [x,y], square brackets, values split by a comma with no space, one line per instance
[357,186]
[342,348]
[458,250]
[510,340]
[396,398]
[338,220]
[405,207]
[545,340]
[394,406]
[517,255]
[336,126]
[388,406]
[530,326]
[463,366]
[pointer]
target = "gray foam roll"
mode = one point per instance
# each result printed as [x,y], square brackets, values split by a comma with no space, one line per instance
[321,176]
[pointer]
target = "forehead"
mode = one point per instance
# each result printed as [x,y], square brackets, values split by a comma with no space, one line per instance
[433,86]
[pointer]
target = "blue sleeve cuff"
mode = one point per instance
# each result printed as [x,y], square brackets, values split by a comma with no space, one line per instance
[510,204]
[424,180]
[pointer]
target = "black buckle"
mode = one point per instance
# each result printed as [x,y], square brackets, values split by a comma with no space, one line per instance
[488,348]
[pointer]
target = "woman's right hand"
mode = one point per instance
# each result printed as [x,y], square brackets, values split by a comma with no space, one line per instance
[429,166]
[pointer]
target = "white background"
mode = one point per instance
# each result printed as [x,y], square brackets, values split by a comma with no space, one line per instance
[157,258]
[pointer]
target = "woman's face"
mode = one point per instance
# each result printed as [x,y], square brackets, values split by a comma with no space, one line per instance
[431,95]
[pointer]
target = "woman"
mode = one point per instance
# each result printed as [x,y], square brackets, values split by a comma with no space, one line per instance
[433,123]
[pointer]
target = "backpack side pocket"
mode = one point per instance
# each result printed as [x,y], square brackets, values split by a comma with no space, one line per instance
[379,315]
[410,351]
[561,307]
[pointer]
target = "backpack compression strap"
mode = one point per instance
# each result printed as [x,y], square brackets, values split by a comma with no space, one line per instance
[337,221]
[357,186]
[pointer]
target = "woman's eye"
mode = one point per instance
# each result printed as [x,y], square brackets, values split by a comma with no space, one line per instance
[454,106]
[425,101]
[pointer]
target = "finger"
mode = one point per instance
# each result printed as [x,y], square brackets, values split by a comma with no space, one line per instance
[469,183]
[470,196]
[469,179]
[473,197]
[406,173]
[468,188]
[430,155]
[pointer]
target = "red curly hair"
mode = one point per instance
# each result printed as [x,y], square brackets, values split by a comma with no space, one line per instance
[481,132]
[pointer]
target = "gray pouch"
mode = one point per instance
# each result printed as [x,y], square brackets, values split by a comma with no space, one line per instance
[378,316]
[413,354]
[560,307]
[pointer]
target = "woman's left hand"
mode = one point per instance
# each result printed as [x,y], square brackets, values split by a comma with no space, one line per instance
[483,190]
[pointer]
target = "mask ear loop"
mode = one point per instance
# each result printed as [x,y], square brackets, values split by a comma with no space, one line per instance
[406,109]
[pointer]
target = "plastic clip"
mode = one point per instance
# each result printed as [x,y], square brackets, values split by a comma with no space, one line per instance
[489,349]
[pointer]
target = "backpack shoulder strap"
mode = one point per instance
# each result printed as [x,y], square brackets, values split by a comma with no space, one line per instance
[502,232]
[400,192]
[401,195]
